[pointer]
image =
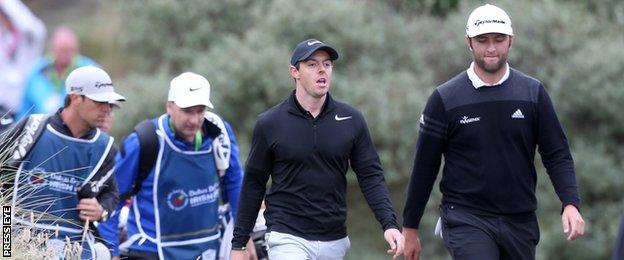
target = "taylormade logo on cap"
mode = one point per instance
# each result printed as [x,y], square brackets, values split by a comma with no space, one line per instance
[103,85]
[92,82]
[488,19]
[479,22]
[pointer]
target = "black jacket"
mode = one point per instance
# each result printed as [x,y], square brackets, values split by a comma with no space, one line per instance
[307,159]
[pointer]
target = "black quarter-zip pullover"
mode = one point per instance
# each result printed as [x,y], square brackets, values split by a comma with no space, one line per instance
[307,159]
[488,137]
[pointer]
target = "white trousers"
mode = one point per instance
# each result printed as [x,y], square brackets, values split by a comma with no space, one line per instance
[288,247]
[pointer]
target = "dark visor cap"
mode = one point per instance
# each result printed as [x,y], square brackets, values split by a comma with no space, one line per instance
[304,50]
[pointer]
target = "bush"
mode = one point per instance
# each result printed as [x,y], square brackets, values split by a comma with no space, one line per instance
[390,62]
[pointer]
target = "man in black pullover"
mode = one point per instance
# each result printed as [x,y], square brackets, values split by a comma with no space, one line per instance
[487,122]
[306,144]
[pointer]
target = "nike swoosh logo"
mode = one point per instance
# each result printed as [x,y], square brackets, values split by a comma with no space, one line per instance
[313,42]
[338,118]
[193,89]
[6,121]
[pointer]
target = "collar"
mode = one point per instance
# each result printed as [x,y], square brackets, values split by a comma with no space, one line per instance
[296,108]
[57,123]
[56,80]
[208,131]
[477,82]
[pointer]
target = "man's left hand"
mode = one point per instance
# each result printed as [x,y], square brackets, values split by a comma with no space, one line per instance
[395,240]
[90,209]
[573,223]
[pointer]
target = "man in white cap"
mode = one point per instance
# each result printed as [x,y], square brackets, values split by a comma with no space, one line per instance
[175,167]
[487,122]
[65,163]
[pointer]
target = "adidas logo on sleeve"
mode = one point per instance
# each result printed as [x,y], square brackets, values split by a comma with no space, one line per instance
[518,114]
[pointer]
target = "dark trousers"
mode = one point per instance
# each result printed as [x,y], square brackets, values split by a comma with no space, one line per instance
[471,236]
[140,255]
[618,249]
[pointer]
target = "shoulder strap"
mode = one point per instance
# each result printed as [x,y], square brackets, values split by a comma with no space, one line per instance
[34,127]
[148,143]
[220,144]
[221,148]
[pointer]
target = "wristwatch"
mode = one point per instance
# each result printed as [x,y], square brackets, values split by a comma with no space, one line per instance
[239,248]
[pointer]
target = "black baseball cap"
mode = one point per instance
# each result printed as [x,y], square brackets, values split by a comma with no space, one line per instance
[304,50]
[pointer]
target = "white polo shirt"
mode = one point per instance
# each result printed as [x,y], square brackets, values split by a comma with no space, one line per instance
[477,82]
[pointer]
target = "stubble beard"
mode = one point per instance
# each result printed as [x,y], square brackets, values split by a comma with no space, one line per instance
[492,68]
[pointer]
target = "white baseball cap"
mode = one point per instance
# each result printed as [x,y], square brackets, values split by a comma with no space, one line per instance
[190,89]
[488,19]
[92,82]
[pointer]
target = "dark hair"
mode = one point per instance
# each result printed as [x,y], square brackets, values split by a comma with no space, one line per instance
[296,67]
[67,101]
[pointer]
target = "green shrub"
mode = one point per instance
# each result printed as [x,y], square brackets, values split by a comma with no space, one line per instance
[391,60]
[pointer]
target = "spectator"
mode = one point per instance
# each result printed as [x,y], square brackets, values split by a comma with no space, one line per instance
[21,42]
[45,90]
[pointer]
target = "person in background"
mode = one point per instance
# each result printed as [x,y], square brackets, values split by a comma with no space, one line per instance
[22,36]
[486,123]
[45,85]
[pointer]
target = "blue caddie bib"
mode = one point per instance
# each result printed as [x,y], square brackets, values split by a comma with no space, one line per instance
[186,201]
[48,179]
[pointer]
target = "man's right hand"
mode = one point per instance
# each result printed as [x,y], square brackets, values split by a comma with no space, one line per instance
[412,244]
[251,250]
